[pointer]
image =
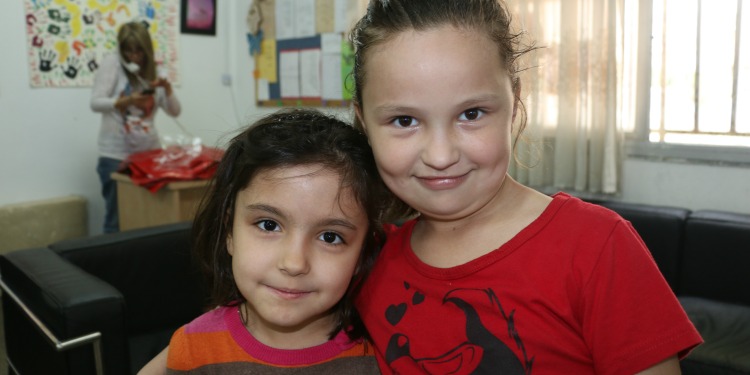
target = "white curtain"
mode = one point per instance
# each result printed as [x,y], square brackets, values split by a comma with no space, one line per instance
[577,92]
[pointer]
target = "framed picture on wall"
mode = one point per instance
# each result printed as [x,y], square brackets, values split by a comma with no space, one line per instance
[198,17]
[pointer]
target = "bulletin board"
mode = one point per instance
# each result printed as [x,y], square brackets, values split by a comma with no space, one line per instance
[67,39]
[301,51]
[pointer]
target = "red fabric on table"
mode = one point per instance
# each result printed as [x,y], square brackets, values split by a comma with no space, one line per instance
[154,169]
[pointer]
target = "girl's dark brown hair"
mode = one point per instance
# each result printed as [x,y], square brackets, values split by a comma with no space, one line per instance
[284,139]
[387,18]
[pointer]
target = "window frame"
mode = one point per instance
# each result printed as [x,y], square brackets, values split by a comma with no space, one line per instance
[637,143]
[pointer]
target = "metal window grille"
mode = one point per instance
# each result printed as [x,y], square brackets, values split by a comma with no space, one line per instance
[700,90]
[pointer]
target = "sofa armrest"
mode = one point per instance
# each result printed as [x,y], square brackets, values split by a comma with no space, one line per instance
[70,303]
[152,269]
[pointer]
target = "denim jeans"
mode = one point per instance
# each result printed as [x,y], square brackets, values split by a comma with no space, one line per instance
[105,167]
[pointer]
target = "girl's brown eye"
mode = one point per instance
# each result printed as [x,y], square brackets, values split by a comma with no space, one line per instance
[331,238]
[404,121]
[473,114]
[268,225]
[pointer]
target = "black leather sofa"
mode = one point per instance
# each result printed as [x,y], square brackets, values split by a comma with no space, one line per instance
[134,288]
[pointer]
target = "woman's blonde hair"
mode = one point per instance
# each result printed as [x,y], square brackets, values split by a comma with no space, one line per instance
[135,36]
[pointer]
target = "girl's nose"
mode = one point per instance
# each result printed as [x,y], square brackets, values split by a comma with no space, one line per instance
[440,149]
[294,259]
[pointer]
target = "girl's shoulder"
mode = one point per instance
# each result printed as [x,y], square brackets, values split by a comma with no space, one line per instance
[586,225]
[570,222]
[210,321]
[110,60]
[569,205]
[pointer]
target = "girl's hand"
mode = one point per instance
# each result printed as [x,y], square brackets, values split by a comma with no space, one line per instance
[142,101]
[163,82]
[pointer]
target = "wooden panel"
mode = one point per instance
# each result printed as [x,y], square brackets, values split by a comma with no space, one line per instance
[140,208]
[42,222]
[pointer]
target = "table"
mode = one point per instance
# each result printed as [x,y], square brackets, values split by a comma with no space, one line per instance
[175,202]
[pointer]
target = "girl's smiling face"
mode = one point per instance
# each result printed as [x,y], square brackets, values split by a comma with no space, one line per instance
[295,242]
[437,107]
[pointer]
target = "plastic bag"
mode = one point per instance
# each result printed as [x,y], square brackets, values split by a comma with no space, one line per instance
[180,159]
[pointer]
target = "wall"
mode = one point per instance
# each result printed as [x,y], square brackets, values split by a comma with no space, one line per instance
[681,184]
[48,139]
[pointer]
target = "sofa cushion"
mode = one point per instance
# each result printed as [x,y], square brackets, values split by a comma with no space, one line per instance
[725,329]
[716,257]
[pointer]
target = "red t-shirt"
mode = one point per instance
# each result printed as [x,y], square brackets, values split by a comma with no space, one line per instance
[575,292]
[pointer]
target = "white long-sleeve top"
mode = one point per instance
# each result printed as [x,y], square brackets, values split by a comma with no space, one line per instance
[124,133]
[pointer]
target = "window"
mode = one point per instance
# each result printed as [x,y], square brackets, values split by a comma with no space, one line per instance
[700,73]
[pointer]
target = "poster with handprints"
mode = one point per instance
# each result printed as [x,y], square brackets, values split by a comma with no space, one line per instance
[67,38]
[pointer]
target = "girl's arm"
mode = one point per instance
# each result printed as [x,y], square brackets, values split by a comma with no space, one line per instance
[156,366]
[670,366]
[103,96]
[168,100]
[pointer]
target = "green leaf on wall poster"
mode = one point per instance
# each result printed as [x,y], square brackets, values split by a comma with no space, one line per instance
[347,64]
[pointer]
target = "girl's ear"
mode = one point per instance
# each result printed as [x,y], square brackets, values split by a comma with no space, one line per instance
[230,241]
[360,117]
[230,245]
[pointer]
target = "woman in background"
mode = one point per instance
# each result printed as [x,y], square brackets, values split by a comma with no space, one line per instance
[127,92]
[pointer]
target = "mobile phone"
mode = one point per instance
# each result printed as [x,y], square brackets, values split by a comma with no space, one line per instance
[148,91]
